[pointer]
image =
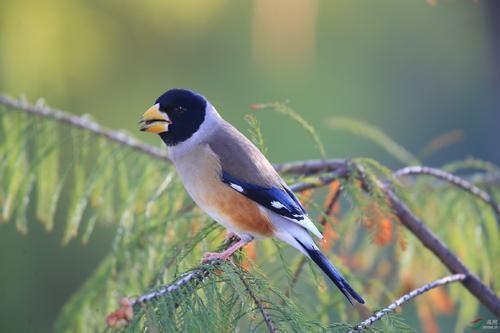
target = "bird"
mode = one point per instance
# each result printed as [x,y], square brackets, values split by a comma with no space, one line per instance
[230,179]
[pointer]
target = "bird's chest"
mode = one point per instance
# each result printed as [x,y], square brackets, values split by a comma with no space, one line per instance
[199,171]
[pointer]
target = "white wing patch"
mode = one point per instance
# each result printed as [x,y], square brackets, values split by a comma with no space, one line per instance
[277,204]
[237,187]
[304,221]
[279,200]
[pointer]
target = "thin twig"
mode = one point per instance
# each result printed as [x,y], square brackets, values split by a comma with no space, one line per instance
[286,110]
[407,297]
[320,181]
[477,288]
[197,274]
[296,275]
[258,303]
[300,167]
[83,123]
[311,166]
[317,166]
[125,313]
[494,202]
[482,292]
[450,178]
[330,206]
[485,179]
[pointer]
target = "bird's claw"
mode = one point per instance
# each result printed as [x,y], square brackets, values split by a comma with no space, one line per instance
[230,236]
[209,256]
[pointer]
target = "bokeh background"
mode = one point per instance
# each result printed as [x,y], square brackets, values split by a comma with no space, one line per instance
[416,69]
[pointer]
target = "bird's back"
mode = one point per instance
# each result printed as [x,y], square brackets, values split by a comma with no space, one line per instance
[252,167]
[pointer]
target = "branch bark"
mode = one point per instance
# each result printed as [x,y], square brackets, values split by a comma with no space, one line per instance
[84,123]
[262,309]
[475,286]
[125,313]
[450,178]
[406,298]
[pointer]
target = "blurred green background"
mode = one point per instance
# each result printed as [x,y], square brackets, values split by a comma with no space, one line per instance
[416,69]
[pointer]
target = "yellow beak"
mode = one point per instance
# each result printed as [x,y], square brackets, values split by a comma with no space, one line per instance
[154,121]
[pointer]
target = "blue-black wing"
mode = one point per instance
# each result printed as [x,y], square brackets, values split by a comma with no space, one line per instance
[280,200]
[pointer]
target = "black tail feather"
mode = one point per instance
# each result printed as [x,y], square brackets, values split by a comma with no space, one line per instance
[322,261]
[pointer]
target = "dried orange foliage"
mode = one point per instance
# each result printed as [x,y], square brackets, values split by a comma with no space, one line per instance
[332,193]
[329,237]
[196,225]
[383,234]
[427,318]
[305,197]
[431,304]
[330,207]
[372,215]
[440,301]
[250,255]
[443,141]
[403,244]
[352,262]
[381,223]
[121,317]
[407,283]
[384,268]
[170,235]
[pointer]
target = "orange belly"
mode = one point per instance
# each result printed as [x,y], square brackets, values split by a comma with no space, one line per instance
[200,173]
[239,211]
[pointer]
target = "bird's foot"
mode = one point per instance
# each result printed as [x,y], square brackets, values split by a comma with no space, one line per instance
[209,256]
[224,255]
[229,236]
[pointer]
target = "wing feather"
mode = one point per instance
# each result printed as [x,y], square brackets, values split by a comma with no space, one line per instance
[251,174]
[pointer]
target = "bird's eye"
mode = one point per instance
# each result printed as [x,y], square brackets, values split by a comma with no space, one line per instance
[180,109]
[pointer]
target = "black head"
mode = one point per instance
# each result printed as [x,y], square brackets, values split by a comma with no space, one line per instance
[185,111]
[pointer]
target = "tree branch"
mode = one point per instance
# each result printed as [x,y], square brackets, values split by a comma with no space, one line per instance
[122,316]
[197,274]
[258,303]
[84,123]
[299,167]
[311,166]
[450,178]
[406,298]
[317,166]
[475,286]
[320,181]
